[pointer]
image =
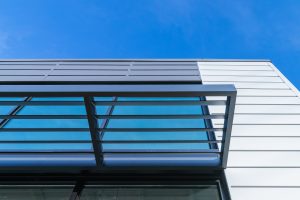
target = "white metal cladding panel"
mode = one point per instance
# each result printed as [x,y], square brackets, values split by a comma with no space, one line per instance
[266,130]
[260,109]
[235,78]
[263,193]
[264,157]
[265,143]
[247,85]
[248,177]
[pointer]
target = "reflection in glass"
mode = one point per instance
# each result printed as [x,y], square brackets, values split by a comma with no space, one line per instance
[25,193]
[209,192]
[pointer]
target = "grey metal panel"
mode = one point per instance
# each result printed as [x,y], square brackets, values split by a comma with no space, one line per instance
[26,67]
[99,71]
[93,63]
[164,67]
[26,78]
[165,73]
[124,78]
[92,67]
[170,63]
[23,72]
[251,61]
[88,73]
[79,78]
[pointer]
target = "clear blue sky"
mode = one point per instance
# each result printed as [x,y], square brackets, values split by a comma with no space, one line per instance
[153,29]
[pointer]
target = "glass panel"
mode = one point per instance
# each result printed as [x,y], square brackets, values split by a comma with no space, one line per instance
[173,137]
[27,193]
[57,99]
[4,110]
[209,192]
[47,123]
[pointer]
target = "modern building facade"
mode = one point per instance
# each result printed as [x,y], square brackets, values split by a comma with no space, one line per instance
[148,129]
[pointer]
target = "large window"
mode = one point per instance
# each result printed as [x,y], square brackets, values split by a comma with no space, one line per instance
[115,192]
[203,192]
[35,192]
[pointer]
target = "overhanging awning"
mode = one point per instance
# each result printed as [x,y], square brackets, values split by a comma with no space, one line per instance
[103,156]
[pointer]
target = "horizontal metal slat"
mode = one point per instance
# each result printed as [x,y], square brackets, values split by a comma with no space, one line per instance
[235,67]
[125,151]
[93,63]
[263,159]
[265,143]
[115,103]
[264,177]
[109,141]
[21,78]
[268,100]
[262,193]
[164,67]
[112,116]
[232,79]
[234,63]
[266,130]
[265,92]
[249,119]
[88,73]
[23,72]
[238,73]
[260,109]
[165,73]
[121,78]
[245,85]
[109,129]
[128,90]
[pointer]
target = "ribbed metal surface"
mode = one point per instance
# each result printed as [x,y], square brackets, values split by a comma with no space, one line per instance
[264,154]
[98,71]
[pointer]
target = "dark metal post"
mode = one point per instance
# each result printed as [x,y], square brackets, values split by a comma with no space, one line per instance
[229,113]
[75,195]
[106,121]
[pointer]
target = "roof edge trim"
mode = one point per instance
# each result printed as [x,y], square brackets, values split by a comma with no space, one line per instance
[133,60]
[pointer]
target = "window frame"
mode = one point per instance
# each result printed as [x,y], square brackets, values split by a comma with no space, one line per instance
[78,182]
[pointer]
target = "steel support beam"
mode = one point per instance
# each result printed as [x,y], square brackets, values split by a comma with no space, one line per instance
[13,112]
[229,112]
[93,125]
